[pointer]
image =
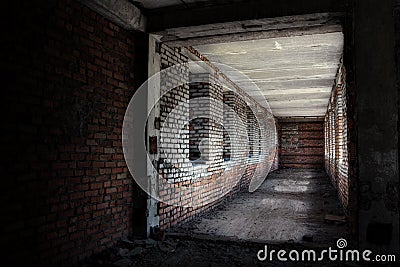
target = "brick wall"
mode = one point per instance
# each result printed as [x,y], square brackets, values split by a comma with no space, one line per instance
[206,120]
[188,187]
[301,143]
[351,92]
[336,138]
[67,191]
[174,112]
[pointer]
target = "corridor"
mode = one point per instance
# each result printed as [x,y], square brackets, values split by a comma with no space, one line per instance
[194,132]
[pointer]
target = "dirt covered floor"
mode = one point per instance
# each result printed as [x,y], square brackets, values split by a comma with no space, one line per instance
[287,212]
[292,205]
[193,252]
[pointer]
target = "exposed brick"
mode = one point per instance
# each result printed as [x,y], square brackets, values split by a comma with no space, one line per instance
[179,148]
[62,50]
[336,138]
[301,144]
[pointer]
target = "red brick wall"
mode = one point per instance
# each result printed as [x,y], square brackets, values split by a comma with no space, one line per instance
[68,193]
[301,143]
[336,139]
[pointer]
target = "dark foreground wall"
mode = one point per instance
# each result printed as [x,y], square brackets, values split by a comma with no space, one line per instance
[67,77]
[301,143]
[376,113]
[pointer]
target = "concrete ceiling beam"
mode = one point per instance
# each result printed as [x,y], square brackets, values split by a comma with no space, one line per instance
[299,113]
[252,30]
[297,92]
[182,16]
[294,97]
[121,12]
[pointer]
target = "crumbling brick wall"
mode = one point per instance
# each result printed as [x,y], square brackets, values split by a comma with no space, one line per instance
[188,187]
[68,193]
[301,143]
[336,140]
[205,115]
[174,112]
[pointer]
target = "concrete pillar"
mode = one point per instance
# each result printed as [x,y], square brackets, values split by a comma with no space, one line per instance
[377,121]
[154,66]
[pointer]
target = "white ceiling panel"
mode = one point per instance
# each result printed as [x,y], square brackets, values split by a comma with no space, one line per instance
[295,74]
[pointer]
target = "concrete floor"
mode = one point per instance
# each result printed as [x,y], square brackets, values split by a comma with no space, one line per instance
[290,204]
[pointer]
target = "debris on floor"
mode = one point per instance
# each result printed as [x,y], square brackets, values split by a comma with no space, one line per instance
[191,251]
[175,252]
[338,219]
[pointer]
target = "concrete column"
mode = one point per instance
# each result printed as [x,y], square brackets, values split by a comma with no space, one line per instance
[154,66]
[377,120]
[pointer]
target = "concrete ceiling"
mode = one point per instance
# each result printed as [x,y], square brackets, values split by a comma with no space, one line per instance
[295,74]
[167,14]
[154,4]
[246,30]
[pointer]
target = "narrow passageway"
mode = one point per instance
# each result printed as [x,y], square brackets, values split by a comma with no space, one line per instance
[291,205]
